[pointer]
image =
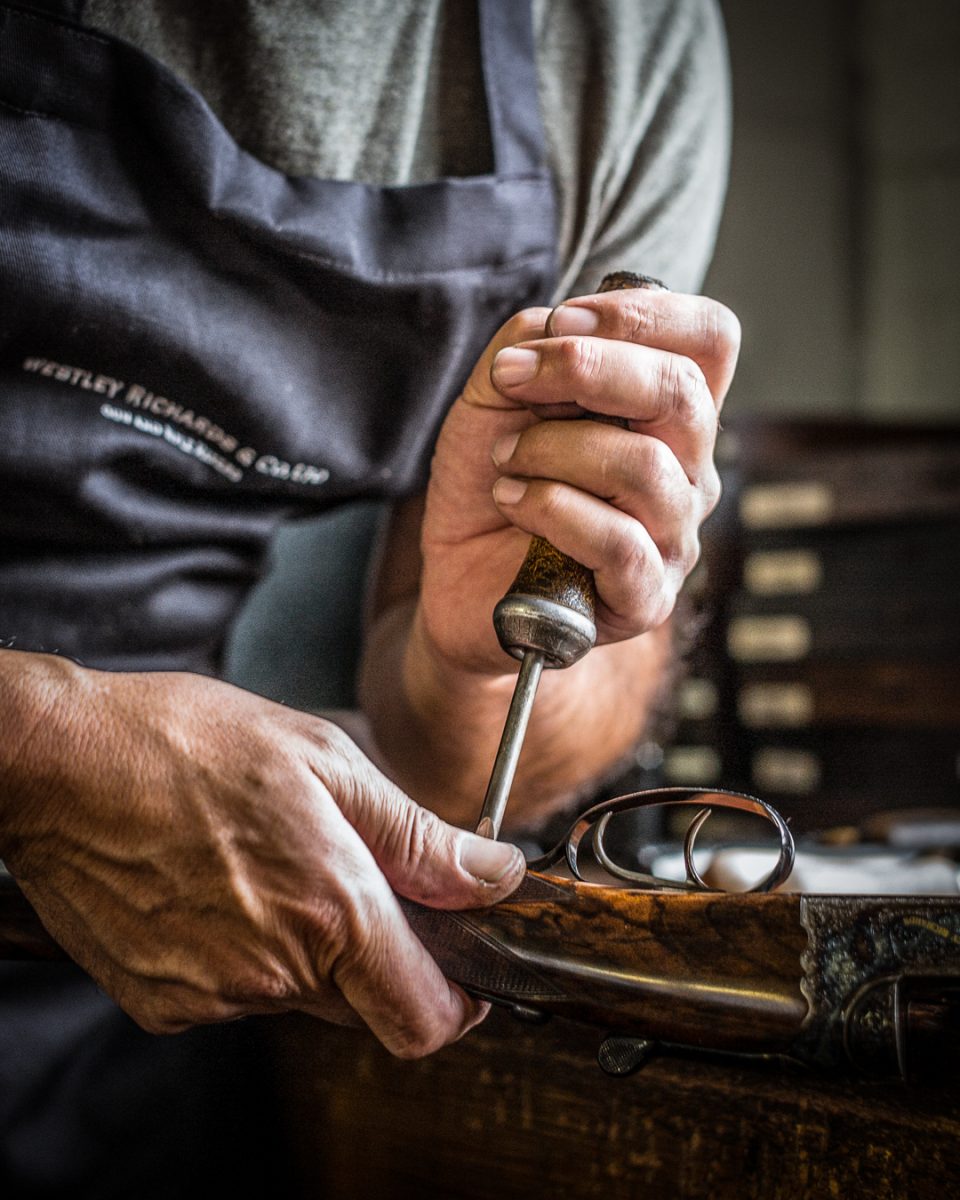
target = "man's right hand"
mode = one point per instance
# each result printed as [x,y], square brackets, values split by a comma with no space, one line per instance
[206,854]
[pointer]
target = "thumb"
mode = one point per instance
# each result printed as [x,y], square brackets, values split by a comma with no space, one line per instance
[424,858]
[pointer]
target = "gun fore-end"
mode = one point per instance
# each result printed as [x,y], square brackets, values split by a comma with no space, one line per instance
[697,969]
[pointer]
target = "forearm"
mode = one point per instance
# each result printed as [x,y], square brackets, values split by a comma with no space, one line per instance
[34,691]
[438,726]
[206,854]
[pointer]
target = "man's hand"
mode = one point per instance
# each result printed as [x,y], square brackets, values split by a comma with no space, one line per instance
[206,854]
[512,461]
[625,502]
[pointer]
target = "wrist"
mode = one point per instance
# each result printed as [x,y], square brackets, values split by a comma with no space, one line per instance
[434,722]
[434,681]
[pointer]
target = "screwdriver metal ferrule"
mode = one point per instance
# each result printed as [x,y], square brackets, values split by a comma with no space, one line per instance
[541,633]
[560,633]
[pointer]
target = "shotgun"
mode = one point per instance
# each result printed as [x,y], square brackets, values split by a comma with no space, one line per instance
[865,985]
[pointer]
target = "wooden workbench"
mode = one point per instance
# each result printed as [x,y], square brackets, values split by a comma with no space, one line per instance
[525,1112]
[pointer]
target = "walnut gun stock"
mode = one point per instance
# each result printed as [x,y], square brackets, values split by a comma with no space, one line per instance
[850,984]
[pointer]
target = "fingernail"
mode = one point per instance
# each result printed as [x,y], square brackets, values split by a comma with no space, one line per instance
[486,859]
[504,447]
[570,318]
[514,365]
[508,491]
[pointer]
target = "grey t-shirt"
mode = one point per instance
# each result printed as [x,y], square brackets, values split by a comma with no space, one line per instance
[635,102]
[634,96]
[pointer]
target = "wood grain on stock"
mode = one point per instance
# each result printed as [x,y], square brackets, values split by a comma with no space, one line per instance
[699,968]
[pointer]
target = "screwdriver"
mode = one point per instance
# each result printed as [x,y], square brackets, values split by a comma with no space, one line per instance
[547,619]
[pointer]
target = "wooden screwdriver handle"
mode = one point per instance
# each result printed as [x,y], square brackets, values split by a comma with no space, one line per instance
[561,625]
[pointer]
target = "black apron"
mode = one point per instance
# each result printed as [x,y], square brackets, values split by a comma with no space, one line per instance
[195,348]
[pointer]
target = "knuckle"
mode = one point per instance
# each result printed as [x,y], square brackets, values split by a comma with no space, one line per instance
[340,937]
[683,554]
[611,464]
[658,598]
[154,1014]
[653,607]
[711,488]
[662,607]
[260,984]
[684,388]
[639,319]
[689,554]
[173,1007]
[581,358]
[550,500]
[417,836]
[332,738]
[722,332]
[626,555]
[327,755]
[157,1028]
[351,926]
[658,465]
[350,953]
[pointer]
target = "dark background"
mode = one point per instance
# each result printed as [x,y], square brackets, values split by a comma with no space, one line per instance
[840,244]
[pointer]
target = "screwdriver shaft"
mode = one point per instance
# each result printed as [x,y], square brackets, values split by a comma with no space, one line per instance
[511,742]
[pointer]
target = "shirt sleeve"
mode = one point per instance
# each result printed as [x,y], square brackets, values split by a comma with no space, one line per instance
[642,157]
